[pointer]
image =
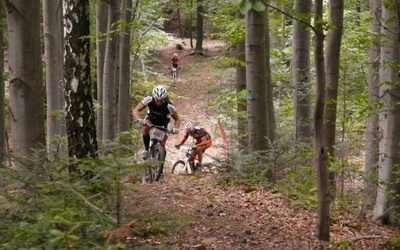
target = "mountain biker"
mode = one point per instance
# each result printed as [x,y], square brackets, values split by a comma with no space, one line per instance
[175,60]
[159,113]
[203,141]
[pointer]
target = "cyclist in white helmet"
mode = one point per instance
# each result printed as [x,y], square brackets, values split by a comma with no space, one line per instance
[202,141]
[160,111]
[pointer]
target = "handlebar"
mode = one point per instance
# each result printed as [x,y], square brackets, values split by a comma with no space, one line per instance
[169,131]
[187,149]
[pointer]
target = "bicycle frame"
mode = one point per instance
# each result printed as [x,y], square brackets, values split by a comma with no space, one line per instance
[157,151]
[174,74]
[183,166]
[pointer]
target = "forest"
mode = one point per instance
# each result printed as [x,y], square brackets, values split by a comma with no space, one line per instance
[300,99]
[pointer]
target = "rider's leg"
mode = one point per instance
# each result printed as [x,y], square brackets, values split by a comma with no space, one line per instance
[146,138]
[192,158]
[199,152]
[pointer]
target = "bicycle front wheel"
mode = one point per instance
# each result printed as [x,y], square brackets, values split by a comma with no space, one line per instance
[179,167]
[157,157]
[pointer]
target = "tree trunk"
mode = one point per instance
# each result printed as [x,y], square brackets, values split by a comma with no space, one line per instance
[3,146]
[110,77]
[256,82]
[191,24]
[301,75]
[241,86]
[323,229]
[199,28]
[124,75]
[333,43]
[26,89]
[101,29]
[387,202]
[80,117]
[53,41]
[178,10]
[371,147]
[270,115]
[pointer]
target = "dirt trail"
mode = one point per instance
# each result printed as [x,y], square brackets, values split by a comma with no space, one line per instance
[194,212]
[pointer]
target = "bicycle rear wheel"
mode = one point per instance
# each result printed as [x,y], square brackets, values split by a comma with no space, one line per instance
[174,77]
[157,157]
[179,167]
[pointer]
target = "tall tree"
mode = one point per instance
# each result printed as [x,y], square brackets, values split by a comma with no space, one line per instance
[241,86]
[301,75]
[255,80]
[270,115]
[321,155]
[371,146]
[80,117]
[101,29]
[110,74]
[387,206]
[198,50]
[124,62]
[25,66]
[3,146]
[178,12]
[53,41]
[333,43]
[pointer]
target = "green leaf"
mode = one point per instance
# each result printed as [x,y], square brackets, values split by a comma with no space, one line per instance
[235,2]
[245,6]
[258,6]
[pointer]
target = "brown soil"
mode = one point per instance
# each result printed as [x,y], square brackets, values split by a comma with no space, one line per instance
[196,212]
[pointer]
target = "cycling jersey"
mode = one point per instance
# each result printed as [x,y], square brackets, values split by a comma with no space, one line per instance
[198,134]
[175,61]
[159,115]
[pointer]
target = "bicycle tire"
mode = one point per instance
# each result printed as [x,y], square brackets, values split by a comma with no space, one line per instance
[157,156]
[174,77]
[179,167]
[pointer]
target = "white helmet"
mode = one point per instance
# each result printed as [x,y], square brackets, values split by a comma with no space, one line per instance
[175,54]
[189,126]
[159,92]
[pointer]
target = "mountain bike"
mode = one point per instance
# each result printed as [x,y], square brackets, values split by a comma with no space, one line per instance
[174,74]
[184,166]
[157,153]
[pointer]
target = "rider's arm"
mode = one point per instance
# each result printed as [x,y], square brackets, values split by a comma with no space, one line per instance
[184,139]
[136,110]
[177,120]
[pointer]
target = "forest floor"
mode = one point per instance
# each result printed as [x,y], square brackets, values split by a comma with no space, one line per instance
[198,212]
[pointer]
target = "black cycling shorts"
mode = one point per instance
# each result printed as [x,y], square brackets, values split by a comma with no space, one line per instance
[159,121]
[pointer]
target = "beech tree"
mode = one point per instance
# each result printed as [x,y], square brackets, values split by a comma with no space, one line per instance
[387,206]
[124,74]
[371,146]
[199,28]
[101,29]
[301,71]
[110,74]
[53,41]
[321,154]
[25,67]
[255,80]
[332,62]
[241,86]
[3,146]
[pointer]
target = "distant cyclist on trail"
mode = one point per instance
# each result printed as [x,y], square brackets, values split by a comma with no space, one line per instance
[203,141]
[175,60]
[160,111]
